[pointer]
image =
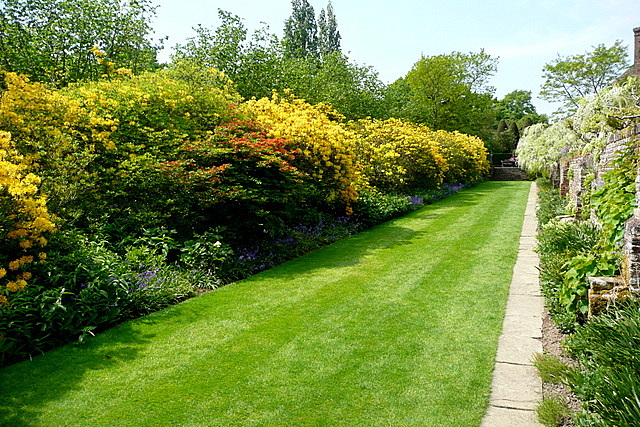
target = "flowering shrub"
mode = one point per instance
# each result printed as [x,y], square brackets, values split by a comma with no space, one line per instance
[24,221]
[396,155]
[466,157]
[57,136]
[156,112]
[542,146]
[325,148]
[237,177]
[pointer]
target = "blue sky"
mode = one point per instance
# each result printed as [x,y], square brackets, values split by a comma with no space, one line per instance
[392,35]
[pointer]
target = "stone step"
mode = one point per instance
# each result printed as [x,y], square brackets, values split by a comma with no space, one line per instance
[508,174]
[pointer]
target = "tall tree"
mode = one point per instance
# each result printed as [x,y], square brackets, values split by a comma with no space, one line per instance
[329,36]
[63,41]
[515,105]
[221,48]
[301,31]
[449,92]
[568,79]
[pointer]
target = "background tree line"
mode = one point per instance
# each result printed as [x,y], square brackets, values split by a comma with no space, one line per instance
[68,41]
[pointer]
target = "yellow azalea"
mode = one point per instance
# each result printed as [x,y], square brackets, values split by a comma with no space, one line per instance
[3,273]
[25,275]
[26,259]
[394,154]
[5,302]
[326,146]
[13,287]
[26,244]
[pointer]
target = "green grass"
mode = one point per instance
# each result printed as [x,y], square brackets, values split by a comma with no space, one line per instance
[394,326]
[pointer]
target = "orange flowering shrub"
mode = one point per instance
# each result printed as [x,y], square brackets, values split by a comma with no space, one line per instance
[325,148]
[397,155]
[24,220]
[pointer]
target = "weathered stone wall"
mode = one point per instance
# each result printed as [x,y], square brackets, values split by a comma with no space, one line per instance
[574,171]
[616,144]
[579,168]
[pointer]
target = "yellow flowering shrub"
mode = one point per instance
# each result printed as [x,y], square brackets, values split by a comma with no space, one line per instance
[57,136]
[466,157]
[397,155]
[24,220]
[325,148]
[156,112]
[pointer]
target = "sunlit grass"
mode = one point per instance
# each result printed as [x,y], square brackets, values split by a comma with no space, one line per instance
[394,326]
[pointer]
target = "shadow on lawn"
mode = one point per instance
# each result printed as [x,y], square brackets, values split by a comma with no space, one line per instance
[29,385]
[392,234]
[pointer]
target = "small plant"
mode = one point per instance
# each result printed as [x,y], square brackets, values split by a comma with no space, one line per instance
[551,369]
[567,238]
[552,411]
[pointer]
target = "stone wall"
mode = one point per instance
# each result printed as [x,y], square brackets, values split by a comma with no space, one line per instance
[573,172]
[572,183]
[578,169]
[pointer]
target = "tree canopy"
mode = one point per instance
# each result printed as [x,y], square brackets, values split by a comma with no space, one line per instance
[449,92]
[301,31]
[64,41]
[569,79]
[328,34]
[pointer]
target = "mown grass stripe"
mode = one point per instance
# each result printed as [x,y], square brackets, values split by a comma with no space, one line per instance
[394,326]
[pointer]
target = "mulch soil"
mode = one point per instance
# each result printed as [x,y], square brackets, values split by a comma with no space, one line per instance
[552,344]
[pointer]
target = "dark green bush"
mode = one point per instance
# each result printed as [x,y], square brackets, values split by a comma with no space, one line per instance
[87,287]
[607,349]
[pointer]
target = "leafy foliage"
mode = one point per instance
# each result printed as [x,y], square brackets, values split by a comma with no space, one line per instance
[65,41]
[448,92]
[614,202]
[574,77]
[607,349]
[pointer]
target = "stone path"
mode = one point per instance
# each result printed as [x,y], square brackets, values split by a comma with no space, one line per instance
[516,388]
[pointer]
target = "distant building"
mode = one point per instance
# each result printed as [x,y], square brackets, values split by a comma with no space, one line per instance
[634,71]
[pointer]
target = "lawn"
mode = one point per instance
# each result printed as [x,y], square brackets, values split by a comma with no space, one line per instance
[397,326]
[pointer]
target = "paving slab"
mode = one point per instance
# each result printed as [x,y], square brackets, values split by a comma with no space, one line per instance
[516,388]
[507,417]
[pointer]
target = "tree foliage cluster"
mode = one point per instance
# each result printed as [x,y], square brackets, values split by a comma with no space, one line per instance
[67,41]
[307,61]
[575,77]
[63,41]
